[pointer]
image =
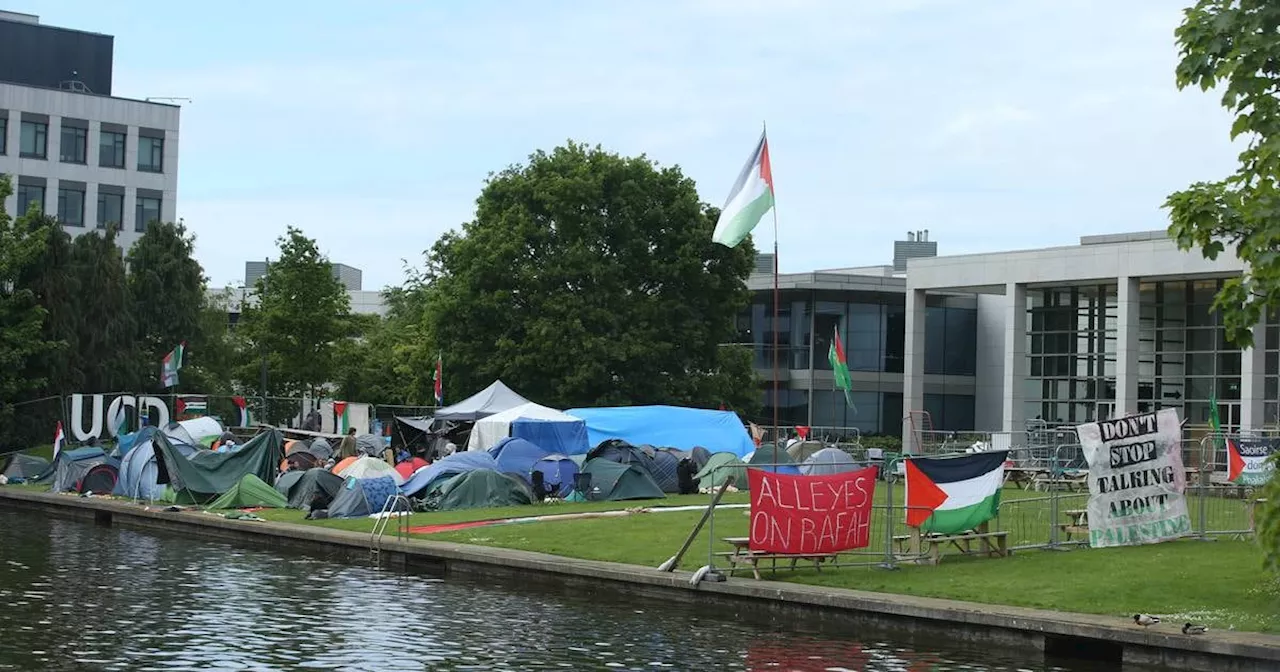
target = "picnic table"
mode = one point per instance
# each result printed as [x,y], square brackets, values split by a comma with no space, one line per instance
[1022,477]
[1077,522]
[743,555]
[928,547]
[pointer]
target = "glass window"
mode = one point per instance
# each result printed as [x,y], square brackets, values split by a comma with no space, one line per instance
[71,206]
[35,140]
[895,330]
[110,209]
[150,154]
[111,149]
[73,147]
[935,340]
[4,134]
[29,194]
[147,211]
[960,358]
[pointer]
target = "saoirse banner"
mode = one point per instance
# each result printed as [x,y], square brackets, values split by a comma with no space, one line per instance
[811,514]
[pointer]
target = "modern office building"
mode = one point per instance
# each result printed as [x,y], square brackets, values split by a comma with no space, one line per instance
[351,277]
[362,302]
[72,148]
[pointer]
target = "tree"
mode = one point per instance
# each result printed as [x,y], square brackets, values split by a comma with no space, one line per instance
[1234,44]
[298,311]
[589,278]
[167,294]
[105,346]
[49,277]
[21,316]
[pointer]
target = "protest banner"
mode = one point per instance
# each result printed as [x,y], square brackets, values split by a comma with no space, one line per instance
[1136,480]
[810,514]
[1248,460]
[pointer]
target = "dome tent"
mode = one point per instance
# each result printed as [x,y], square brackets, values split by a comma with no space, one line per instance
[719,467]
[557,472]
[457,463]
[250,491]
[517,457]
[360,497]
[478,489]
[310,489]
[612,481]
[371,467]
[828,461]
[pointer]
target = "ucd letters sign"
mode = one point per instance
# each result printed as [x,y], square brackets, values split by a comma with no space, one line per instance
[109,419]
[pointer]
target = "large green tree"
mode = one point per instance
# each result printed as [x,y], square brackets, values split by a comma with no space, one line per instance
[21,316]
[167,290]
[50,278]
[589,278]
[1233,46]
[296,314]
[105,345]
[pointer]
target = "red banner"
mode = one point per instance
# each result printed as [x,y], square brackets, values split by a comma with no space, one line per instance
[811,514]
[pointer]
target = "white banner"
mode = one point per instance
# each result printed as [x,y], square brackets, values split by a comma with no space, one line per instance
[1136,479]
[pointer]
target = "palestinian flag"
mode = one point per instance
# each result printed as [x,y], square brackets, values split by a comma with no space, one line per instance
[59,440]
[949,495]
[343,420]
[244,415]
[749,200]
[169,367]
[191,407]
[1235,461]
[840,367]
[439,380]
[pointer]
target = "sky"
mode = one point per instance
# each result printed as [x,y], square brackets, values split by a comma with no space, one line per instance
[997,125]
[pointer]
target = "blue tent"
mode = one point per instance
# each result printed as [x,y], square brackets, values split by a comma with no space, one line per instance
[517,457]
[558,471]
[138,470]
[672,426]
[457,463]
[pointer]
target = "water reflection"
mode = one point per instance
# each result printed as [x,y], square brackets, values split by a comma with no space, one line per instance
[79,597]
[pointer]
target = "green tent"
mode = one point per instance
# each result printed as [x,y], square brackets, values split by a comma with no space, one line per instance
[611,481]
[250,491]
[765,456]
[478,489]
[205,474]
[720,467]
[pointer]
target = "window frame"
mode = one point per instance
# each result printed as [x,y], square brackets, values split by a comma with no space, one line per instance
[62,201]
[41,135]
[122,146]
[80,133]
[155,146]
[102,222]
[139,222]
[44,194]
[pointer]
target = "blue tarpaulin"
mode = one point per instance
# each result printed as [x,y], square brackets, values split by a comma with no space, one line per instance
[565,438]
[667,426]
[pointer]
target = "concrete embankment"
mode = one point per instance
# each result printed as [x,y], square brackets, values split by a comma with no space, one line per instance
[810,608]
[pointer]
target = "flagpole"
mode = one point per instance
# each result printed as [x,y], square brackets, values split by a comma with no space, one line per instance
[777,438]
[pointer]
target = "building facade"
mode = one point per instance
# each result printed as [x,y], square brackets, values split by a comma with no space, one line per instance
[79,154]
[1116,325]
[362,302]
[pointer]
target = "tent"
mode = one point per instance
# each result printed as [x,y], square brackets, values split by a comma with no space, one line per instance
[101,478]
[675,426]
[139,472]
[545,427]
[611,481]
[360,497]
[457,463]
[766,459]
[700,457]
[517,457]
[73,465]
[558,472]
[206,474]
[407,467]
[22,466]
[719,467]
[828,461]
[493,399]
[371,467]
[801,450]
[202,431]
[370,444]
[661,465]
[478,489]
[321,449]
[310,489]
[248,492]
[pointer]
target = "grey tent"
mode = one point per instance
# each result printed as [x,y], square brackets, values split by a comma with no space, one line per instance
[478,489]
[700,456]
[660,464]
[22,466]
[493,399]
[801,450]
[360,497]
[310,489]
[370,444]
[613,481]
[719,467]
[321,449]
[828,461]
[73,465]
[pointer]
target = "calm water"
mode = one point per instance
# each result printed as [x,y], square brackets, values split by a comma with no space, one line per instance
[75,596]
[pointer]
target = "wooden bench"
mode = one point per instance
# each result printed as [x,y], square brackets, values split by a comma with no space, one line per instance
[1071,482]
[1078,523]
[992,544]
[742,554]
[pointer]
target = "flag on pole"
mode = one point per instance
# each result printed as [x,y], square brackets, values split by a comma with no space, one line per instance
[840,367]
[1235,461]
[169,368]
[749,200]
[340,409]
[245,418]
[58,440]
[439,379]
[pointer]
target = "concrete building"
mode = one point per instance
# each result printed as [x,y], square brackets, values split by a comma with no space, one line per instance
[351,277]
[362,302]
[81,154]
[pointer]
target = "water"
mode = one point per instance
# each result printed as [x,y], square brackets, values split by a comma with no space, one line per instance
[75,596]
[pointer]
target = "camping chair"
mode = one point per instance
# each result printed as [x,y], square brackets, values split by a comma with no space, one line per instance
[539,486]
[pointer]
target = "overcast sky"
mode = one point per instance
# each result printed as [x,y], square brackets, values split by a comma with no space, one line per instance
[999,124]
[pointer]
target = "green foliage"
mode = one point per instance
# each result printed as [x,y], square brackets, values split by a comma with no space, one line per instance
[1234,46]
[167,296]
[1267,519]
[105,343]
[589,278]
[21,316]
[296,315]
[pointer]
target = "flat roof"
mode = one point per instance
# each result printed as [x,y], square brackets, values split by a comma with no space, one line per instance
[34,20]
[88,93]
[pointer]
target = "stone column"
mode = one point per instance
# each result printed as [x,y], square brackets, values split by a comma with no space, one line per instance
[1253,382]
[1015,358]
[913,366]
[1128,313]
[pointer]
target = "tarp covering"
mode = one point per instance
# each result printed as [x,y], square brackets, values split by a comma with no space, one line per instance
[517,457]
[674,426]
[206,474]
[456,463]
[493,399]
[139,472]
[360,497]
[828,461]
[557,432]
[22,466]
[370,444]
[310,489]
[250,491]
[611,481]
[719,467]
[557,472]
[478,489]
[371,467]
